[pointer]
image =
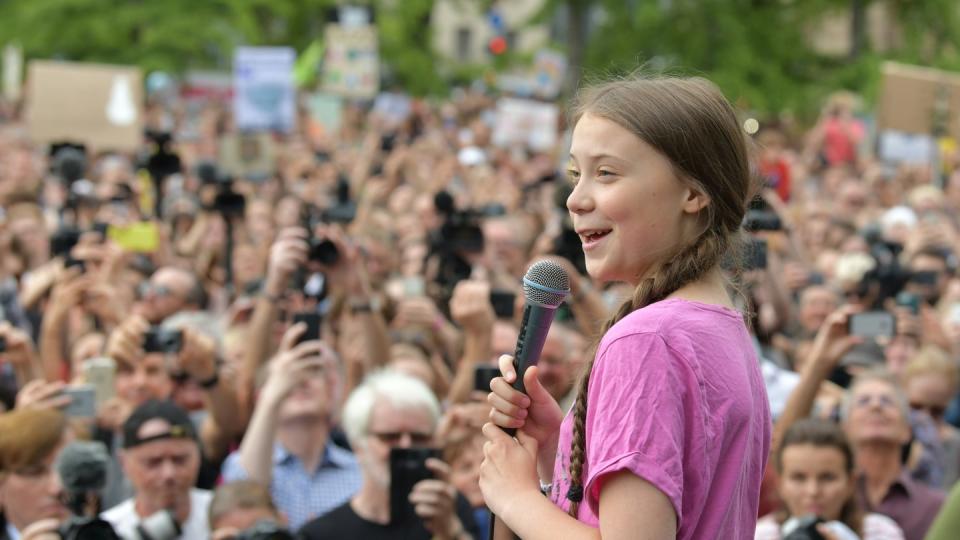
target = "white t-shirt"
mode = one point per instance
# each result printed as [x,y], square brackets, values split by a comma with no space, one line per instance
[875,527]
[124,517]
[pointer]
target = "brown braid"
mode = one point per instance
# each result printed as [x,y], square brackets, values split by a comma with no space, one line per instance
[686,267]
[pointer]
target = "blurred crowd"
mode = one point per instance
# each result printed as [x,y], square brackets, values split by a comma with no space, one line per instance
[309,348]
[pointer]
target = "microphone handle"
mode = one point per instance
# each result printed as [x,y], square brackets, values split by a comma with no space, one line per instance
[533,333]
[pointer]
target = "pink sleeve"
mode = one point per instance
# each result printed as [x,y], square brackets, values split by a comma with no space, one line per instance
[636,415]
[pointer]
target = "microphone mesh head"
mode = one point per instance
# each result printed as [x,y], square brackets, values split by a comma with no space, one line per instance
[546,284]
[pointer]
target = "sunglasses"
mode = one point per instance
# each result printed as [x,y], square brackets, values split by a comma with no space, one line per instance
[935,411]
[393,438]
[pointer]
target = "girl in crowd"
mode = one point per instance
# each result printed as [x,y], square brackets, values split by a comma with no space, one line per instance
[815,466]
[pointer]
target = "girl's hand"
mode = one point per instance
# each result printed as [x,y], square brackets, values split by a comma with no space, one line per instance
[508,472]
[536,412]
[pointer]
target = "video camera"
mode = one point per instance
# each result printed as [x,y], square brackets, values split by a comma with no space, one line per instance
[225,200]
[459,236]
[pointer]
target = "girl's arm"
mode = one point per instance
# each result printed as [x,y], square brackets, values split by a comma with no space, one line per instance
[630,507]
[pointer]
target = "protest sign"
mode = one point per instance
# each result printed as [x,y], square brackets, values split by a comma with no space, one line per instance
[248,156]
[526,122]
[264,97]
[97,105]
[919,100]
[351,65]
[327,110]
[550,68]
[12,71]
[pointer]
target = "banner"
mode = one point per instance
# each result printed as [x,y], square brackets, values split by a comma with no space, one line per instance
[264,97]
[351,65]
[526,122]
[97,105]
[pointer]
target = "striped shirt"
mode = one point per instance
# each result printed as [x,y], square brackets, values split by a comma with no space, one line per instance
[300,494]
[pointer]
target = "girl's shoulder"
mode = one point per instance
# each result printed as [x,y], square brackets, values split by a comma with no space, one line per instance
[676,320]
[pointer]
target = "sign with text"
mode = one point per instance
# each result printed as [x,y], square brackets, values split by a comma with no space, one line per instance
[94,104]
[919,100]
[351,65]
[526,122]
[264,98]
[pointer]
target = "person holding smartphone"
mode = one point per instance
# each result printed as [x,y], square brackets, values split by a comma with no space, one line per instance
[670,431]
[390,419]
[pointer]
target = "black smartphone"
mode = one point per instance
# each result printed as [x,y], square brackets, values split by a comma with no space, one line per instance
[162,340]
[872,324]
[761,220]
[408,466]
[71,262]
[312,319]
[926,277]
[504,303]
[3,344]
[482,375]
[909,300]
[756,255]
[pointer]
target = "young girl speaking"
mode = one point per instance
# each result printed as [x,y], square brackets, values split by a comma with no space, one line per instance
[670,432]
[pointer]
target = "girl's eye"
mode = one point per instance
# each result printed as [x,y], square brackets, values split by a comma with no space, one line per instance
[604,172]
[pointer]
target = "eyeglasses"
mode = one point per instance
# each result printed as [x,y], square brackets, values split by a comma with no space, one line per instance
[866,400]
[935,411]
[393,438]
[148,289]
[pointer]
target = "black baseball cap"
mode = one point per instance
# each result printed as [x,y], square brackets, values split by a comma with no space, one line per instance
[180,425]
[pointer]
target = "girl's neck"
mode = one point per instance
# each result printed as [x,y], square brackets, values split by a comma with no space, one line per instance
[709,289]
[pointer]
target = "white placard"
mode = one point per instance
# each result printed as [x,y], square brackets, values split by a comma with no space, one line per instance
[264,96]
[526,122]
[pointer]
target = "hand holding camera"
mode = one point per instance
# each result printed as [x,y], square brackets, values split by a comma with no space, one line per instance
[837,335]
[197,354]
[16,346]
[126,342]
[292,363]
[288,253]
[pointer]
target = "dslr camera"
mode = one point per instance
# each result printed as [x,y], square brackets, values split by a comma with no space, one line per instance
[162,340]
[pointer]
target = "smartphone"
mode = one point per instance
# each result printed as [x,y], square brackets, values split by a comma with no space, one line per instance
[83,402]
[100,373]
[503,303]
[140,237]
[872,324]
[909,300]
[408,466]
[482,375]
[71,262]
[756,255]
[927,277]
[761,220]
[414,287]
[162,340]
[312,319]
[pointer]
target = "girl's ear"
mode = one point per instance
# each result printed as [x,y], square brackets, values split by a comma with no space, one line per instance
[695,200]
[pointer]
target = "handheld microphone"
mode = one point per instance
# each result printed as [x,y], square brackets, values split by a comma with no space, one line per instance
[545,286]
[82,467]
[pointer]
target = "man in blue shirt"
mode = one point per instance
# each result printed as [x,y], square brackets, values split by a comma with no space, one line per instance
[287,445]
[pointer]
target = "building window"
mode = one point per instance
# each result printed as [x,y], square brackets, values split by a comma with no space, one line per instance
[463,43]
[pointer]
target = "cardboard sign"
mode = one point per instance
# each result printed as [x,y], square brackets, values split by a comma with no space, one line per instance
[916,99]
[98,105]
[264,97]
[526,122]
[351,65]
[248,156]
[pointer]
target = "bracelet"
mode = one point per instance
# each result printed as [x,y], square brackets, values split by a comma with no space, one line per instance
[545,487]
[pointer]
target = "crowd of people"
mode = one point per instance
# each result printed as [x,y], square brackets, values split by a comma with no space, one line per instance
[255,352]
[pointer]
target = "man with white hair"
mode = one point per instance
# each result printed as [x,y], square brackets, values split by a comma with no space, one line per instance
[393,410]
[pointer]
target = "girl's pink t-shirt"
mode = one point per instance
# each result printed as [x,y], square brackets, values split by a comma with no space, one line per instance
[676,397]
